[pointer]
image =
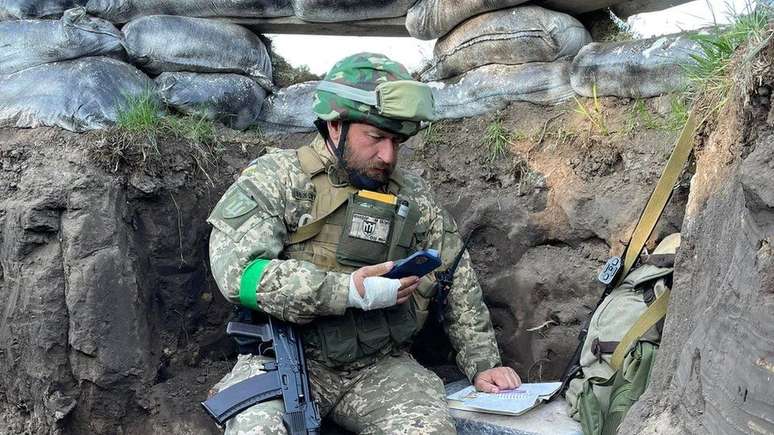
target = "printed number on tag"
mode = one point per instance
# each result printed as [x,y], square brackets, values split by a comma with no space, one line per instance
[370,228]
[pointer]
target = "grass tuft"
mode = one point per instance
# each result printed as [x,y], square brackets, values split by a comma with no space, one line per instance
[711,75]
[141,113]
[431,135]
[496,139]
[594,115]
[142,124]
[641,116]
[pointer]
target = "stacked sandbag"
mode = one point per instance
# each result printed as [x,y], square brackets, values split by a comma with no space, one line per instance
[576,7]
[25,9]
[640,68]
[431,19]
[166,43]
[231,99]
[492,87]
[122,11]
[289,110]
[511,36]
[328,11]
[77,95]
[217,61]
[28,43]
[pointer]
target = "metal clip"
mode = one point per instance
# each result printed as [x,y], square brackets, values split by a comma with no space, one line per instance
[610,271]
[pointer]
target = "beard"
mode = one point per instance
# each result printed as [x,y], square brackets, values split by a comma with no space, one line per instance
[366,175]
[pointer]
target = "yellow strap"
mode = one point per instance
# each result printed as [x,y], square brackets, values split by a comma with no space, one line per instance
[386,198]
[655,312]
[660,196]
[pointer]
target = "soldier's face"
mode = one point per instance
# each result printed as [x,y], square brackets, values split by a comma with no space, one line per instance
[370,151]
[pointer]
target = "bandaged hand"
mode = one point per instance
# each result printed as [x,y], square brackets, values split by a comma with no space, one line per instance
[368,290]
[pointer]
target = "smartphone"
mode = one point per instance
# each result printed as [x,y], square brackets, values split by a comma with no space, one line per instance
[418,264]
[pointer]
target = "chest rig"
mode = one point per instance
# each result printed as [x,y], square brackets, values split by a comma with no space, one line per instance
[346,230]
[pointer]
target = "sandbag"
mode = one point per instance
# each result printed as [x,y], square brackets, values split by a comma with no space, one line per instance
[165,43]
[641,68]
[77,95]
[122,11]
[508,36]
[231,99]
[24,9]
[492,87]
[576,7]
[328,11]
[431,19]
[28,43]
[289,110]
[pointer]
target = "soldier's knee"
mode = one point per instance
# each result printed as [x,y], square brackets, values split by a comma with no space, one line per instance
[418,423]
[262,419]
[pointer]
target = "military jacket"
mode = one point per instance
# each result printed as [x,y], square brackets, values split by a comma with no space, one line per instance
[257,218]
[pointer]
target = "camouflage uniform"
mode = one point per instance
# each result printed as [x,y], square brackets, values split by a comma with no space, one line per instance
[386,391]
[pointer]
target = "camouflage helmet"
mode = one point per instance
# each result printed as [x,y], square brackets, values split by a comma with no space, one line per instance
[371,88]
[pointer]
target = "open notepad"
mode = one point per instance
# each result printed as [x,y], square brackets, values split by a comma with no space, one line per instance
[506,402]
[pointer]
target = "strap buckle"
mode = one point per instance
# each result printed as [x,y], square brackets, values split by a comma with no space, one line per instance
[612,267]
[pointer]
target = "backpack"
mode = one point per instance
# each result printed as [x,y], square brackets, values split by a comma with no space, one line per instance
[619,350]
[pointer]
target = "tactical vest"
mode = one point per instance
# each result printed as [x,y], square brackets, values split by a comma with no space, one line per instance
[358,337]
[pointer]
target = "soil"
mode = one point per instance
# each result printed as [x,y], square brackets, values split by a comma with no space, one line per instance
[544,217]
[714,370]
[112,324]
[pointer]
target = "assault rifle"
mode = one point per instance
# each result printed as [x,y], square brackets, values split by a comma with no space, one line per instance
[444,281]
[286,376]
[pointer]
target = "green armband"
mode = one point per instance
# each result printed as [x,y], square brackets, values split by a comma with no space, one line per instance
[248,287]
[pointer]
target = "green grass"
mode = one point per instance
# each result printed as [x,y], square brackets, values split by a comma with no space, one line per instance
[195,128]
[594,115]
[142,113]
[678,113]
[496,139]
[710,76]
[141,124]
[431,134]
[641,116]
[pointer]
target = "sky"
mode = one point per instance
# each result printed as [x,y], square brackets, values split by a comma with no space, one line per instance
[321,52]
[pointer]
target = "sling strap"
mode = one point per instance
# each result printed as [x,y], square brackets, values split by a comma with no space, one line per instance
[659,197]
[645,225]
[655,312]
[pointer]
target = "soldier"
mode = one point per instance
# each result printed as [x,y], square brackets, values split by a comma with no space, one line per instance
[305,235]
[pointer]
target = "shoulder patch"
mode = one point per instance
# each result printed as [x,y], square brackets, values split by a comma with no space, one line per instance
[237,203]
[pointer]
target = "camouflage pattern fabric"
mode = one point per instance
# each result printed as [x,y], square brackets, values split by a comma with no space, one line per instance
[363,71]
[253,220]
[395,395]
[298,291]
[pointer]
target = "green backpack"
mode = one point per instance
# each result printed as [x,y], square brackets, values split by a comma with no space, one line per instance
[619,350]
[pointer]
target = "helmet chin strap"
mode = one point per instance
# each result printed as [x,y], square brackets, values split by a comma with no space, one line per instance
[355,179]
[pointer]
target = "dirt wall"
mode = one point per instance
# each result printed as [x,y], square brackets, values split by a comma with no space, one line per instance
[110,322]
[715,366]
[104,287]
[547,214]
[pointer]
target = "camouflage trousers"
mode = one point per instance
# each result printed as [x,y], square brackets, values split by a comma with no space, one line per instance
[396,395]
